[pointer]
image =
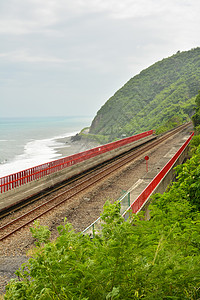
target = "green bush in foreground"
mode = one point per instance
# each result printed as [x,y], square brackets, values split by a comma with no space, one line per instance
[156,259]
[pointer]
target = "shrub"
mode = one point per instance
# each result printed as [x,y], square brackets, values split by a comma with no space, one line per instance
[138,259]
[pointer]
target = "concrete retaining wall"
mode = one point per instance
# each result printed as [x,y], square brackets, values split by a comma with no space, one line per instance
[166,181]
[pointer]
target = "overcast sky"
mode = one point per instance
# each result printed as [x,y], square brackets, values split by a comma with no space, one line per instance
[67,57]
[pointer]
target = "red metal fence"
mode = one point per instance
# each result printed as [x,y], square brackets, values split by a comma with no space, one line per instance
[14,180]
[142,198]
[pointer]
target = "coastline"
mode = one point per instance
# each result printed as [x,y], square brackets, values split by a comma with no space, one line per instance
[29,142]
[57,149]
[42,150]
[69,146]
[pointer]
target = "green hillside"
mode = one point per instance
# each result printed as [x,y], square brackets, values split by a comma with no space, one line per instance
[160,97]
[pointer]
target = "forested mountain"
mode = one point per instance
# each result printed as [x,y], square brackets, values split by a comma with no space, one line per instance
[160,97]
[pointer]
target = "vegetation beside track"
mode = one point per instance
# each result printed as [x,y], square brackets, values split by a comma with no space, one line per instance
[158,259]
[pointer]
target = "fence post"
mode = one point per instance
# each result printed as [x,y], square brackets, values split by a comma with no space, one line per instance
[38,172]
[93,231]
[129,197]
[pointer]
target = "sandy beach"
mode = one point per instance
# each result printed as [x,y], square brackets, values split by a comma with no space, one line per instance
[69,146]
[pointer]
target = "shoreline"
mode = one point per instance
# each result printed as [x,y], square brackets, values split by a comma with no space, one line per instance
[61,147]
[70,147]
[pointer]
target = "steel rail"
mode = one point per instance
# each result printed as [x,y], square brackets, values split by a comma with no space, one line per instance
[27,201]
[12,181]
[109,169]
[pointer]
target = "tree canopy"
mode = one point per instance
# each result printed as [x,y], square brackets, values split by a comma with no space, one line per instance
[160,97]
[196,116]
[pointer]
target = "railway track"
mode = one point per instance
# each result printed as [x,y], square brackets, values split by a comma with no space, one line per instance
[85,182]
[68,182]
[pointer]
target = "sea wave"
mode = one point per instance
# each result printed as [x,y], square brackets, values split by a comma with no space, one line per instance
[36,152]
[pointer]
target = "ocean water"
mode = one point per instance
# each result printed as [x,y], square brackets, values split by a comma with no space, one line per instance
[28,142]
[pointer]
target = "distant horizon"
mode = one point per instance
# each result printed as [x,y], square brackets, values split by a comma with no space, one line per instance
[47,116]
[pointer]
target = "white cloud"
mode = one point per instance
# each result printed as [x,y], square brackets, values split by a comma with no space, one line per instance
[86,49]
[30,16]
[27,57]
[14,26]
[26,16]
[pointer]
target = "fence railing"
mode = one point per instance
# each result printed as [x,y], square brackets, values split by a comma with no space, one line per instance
[17,179]
[95,227]
[137,205]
